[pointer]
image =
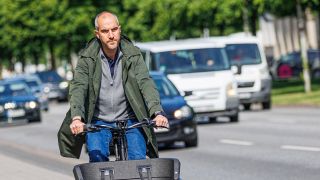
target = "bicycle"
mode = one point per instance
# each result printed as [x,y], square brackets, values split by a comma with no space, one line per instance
[121,168]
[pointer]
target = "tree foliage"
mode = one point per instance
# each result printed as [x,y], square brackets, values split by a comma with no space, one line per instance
[50,30]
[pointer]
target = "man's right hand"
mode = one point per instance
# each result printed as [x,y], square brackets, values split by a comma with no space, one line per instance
[76,126]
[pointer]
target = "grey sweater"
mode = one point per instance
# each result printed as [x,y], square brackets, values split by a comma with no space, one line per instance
[112,103]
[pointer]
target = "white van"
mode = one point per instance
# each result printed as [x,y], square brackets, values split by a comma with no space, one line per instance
[201,71]
[253,78]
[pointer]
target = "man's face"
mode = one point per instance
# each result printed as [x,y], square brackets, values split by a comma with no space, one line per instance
[108,31]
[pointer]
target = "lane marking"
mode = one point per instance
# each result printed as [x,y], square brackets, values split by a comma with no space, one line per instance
[236,142]
[301,148]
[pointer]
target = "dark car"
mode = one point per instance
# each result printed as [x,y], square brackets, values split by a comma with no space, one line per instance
[17,103]
[290,65]
[37,88]
[183,127]
[55,85]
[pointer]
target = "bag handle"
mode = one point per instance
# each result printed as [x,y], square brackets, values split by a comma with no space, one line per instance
[145,172]
[107,174]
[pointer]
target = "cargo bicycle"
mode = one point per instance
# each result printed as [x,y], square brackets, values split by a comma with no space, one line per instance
[122,168]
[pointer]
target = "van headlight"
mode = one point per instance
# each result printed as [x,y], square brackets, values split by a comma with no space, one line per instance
[31,105]
[264,73]
[231,90]
[183,112]
[63,85]
[1,109]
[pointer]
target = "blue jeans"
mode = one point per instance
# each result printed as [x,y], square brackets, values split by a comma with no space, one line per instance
[98,142]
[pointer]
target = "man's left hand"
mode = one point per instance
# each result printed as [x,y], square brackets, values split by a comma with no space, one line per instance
[161,121]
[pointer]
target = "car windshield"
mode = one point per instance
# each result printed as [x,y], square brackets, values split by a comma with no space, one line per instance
[49,76]
[165,87]
[14,89]
[191,60]
[243,54]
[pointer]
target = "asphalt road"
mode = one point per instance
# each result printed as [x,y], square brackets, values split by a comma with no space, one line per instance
[265,145]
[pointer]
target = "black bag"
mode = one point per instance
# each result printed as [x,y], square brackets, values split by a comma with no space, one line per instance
[148,169]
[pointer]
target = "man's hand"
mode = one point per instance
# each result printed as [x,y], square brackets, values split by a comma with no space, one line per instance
[161,121]
[76,126]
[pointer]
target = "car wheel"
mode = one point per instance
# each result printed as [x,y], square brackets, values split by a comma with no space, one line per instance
[192,142]
[266,105]
[284,71]
[234,118]
[316,74]
[247,106]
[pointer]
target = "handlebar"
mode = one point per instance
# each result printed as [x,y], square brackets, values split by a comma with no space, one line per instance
[144,123]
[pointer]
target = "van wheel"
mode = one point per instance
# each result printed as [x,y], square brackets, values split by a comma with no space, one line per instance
[266,105]
[234,118]
[247,106]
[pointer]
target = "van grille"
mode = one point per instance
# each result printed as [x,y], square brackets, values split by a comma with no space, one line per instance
[213,93]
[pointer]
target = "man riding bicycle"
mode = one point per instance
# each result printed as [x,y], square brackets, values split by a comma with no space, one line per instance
[111,82]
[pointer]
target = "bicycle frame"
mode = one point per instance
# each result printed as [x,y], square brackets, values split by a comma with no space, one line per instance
[119,139]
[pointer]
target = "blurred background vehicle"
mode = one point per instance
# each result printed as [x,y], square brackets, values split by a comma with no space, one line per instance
[290,65]
[37,88]
[17,103]
[54,85]
[247,57]
[199,66]
[183,126]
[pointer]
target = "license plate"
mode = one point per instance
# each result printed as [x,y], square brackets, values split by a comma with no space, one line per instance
[53,94]
[244,95]
[16,113]
[160,130]
[202,118]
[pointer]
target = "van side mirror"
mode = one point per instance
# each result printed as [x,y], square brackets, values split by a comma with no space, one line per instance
[187,93]
[236,69]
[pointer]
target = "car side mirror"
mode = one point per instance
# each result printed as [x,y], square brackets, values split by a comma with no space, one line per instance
[187,93]
[236,69]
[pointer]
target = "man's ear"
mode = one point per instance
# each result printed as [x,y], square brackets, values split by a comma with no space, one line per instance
[96,33]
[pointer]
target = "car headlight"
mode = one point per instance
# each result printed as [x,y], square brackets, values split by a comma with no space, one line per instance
[183,112]
[31,105]
[10,105]
[1,109]
[231,90]
[63,85]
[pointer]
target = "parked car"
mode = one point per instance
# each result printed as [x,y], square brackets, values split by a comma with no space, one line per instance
[55,85]
[183,126]
[37,88]
[290,65]
[17,103]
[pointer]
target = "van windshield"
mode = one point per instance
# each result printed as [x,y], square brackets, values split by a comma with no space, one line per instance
[243,54]
[191,60]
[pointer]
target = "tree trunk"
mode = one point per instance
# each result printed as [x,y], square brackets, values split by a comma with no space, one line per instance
[245,17]
[253,20]
[1,71]
[52,57]
[301,25]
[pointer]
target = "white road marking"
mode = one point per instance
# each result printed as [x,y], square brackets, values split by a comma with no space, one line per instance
[236,142]
[301,148]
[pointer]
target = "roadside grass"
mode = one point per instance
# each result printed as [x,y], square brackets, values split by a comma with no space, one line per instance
[291,93]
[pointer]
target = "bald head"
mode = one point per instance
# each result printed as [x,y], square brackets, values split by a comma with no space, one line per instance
[104,15]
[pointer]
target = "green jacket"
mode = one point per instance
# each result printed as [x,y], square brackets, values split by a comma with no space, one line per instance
[139,88]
